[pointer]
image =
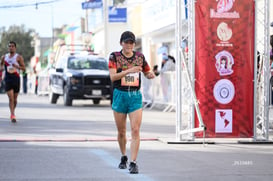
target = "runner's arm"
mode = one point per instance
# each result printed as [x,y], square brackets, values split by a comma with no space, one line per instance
[114,75]
[149,75]
[2,64]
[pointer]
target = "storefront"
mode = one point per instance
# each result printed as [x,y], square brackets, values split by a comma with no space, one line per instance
[158,29]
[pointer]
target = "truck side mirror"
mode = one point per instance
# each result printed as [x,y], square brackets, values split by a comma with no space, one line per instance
[61,70]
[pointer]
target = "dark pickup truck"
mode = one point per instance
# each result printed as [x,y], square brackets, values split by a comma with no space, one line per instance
[78,76]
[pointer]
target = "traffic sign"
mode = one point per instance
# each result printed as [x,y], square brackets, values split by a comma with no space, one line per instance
[92,4]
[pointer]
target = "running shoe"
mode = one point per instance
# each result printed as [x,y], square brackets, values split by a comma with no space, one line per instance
[123,162]
[13,118]
[133,168]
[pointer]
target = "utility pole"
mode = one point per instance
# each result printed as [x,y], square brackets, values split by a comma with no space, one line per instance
[52,25]
[105,6]
[86,19]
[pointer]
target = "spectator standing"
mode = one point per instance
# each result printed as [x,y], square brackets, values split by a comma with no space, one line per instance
[25,82]
[167,65]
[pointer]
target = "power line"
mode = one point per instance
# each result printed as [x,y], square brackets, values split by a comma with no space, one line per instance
[20,4]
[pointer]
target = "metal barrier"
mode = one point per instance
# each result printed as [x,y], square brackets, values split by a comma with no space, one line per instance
[43,84]
[160,91]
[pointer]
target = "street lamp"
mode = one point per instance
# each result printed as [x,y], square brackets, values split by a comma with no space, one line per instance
[52,25]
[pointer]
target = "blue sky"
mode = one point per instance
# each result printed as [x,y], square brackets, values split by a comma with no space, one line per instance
[57,14]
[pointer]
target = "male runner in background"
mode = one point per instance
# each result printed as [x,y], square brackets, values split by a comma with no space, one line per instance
[12,63]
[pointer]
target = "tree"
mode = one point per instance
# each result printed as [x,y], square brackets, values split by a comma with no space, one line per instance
[116,2]
[23,39]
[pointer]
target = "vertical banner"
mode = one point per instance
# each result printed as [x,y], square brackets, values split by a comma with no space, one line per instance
[224,66]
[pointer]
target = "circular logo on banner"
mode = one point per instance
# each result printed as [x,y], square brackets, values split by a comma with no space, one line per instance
[224,91]
[224,33]
[224,63]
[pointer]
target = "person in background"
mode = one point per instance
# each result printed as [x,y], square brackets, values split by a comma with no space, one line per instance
[167,65]
[2,84]
[125,67]
[36,79]
[271,77]
[12,63]
[271,68]
[24,82]
[171,58]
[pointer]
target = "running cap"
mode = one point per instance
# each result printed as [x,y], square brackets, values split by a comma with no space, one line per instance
[127,36]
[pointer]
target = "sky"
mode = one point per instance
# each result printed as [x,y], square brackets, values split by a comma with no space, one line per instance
[54,14]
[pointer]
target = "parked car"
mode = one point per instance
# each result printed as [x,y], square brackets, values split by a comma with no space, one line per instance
[80,76]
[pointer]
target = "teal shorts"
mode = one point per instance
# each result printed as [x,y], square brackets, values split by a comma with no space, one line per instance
[126,101]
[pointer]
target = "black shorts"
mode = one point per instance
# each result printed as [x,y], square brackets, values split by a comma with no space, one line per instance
[15,85]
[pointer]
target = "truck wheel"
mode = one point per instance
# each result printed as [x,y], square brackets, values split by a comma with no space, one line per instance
[67,98]
[53,97]
[96,101]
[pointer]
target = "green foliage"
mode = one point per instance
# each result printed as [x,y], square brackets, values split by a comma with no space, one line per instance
[23,39]
[116,2]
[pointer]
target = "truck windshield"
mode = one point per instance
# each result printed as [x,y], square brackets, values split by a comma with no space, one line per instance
[86,63]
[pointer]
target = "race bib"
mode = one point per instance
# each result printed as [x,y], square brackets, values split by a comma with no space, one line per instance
[11,69]
[131,79]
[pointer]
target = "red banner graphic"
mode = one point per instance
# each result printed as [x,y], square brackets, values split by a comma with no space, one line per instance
[224,67]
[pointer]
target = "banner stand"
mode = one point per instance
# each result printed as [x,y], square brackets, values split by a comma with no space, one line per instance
[183,75]
[202,127]
[185,131]
[262,80]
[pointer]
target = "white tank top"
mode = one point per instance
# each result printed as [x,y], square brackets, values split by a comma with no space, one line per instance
[9,61]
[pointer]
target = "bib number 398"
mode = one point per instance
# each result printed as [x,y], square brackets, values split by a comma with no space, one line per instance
[131,79]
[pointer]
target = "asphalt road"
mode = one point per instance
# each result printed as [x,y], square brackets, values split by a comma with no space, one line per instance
[57,143]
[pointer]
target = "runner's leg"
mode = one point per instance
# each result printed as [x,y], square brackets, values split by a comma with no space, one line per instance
[15,100]
[120,119]
[135,121]
[10,94]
